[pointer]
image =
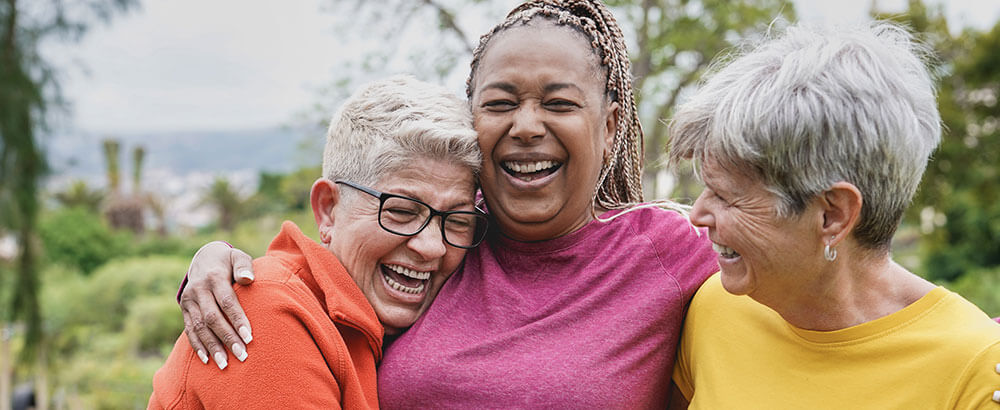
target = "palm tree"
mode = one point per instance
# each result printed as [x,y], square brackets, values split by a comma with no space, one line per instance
[80,195]
[227,202]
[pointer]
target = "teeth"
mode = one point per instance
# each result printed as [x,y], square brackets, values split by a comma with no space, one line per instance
[725,251]
[409,272]
[529,167]
[398,286]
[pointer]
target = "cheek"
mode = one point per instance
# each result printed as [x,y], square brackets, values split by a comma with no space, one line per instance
[488,131]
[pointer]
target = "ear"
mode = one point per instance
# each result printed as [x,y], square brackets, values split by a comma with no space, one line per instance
[324,197]
[841,210]
[611,127]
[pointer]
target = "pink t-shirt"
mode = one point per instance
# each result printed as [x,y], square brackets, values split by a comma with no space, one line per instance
[588,320]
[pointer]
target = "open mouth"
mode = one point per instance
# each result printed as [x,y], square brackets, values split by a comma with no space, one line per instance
[725,251]
[404,279]
[530,170]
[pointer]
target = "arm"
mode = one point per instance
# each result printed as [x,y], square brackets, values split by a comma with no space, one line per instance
[977,387]
[213,317]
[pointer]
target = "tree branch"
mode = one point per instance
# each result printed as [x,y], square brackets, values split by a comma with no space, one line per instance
[448,20]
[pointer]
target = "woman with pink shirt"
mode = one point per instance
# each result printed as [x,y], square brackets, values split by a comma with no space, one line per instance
[577,298]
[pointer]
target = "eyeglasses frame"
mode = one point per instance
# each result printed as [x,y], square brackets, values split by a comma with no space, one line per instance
[383,196]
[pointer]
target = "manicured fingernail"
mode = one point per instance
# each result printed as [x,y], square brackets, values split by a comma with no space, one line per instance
[996,396]
[245,274]
[239,351]
[245,334]
[998,367]
[202,356]
[220,359]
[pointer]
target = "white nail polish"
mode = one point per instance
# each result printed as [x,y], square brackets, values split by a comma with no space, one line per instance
[245,274]
[996,396]
[998,368]
[239,352]
[247,336]
[220,360]
[202,356]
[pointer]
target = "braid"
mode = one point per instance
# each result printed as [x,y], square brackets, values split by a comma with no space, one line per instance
[620,182]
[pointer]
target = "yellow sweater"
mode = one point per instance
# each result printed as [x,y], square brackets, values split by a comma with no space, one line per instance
[937,353]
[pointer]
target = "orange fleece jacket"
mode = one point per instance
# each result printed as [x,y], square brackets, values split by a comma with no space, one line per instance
[316,340]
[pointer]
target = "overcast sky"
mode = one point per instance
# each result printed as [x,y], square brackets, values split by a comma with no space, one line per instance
[226,64]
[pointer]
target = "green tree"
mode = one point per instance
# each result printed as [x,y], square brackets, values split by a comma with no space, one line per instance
[957,206]
[27,90]
[81,239]
[80,195]
[224,198]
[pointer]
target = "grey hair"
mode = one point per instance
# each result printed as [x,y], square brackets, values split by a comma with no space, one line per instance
[816,106]
[389,124]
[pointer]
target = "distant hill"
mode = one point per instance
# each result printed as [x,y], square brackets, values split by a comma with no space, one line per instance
[180,153]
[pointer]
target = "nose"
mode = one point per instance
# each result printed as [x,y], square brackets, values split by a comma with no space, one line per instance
[429,243]
[527,123]
[700,214]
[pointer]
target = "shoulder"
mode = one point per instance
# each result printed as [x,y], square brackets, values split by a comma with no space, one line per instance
[965,323]
[279,298]
[684,251]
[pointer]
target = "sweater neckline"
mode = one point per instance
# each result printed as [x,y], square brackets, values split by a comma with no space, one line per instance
[875,328]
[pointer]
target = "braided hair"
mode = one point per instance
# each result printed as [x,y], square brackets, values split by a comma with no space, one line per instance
[620,182]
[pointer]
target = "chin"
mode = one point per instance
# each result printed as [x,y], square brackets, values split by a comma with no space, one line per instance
[397,321]
[737,283]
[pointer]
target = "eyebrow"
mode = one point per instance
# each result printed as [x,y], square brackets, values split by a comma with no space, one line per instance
[510,88]
[450,207]
[503,86]
[560,86]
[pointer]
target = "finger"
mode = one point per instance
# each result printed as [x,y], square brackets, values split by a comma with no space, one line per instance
[196,344]
[242,266]
[219,321]
[204,336]
[231,307]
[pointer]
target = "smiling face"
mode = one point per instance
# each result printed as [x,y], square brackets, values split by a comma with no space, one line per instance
[760,253]
[544,126]
[399,275]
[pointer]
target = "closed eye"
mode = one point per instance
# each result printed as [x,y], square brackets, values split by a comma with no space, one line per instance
[499,105]
[561,105]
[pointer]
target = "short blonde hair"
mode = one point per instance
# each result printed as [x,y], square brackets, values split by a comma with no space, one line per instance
[390,123]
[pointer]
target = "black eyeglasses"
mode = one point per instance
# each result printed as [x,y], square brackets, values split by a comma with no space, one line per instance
[407,217]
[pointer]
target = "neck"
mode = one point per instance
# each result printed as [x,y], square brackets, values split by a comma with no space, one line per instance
[850,292]
[543,231]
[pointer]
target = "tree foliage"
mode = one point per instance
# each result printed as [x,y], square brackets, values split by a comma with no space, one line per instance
[957,206]
[80,238]
[672,43]
[226,200]
[27,89]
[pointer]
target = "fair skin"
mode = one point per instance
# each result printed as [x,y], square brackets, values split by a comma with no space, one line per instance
[538,100]
[779,261]
[348,226]
[373,256]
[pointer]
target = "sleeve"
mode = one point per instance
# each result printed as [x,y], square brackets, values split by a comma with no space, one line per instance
[975,389]
[682,366]
[285,365]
